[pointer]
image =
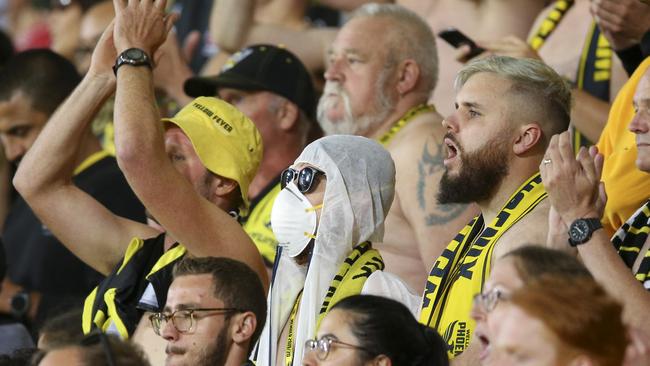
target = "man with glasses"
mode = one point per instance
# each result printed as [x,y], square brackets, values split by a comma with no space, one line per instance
[214,314]
[329,213]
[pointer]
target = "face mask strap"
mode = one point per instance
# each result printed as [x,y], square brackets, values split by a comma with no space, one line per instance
[314,208]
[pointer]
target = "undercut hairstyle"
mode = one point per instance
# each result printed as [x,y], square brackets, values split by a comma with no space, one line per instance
[580,313]
[544,93]
[42,76]
[532,261]
[235,283]
[384,326]
[408,37]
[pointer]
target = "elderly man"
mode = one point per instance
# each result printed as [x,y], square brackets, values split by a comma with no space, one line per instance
[214,314]
[270,86]
[378,88]
[190,172]
[507,109]
[332,207]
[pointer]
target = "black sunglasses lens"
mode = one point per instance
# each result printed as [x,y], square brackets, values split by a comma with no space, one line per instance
[305,179]
[286,177]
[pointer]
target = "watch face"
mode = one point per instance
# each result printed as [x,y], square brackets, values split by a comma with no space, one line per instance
[579,231]
[134,53]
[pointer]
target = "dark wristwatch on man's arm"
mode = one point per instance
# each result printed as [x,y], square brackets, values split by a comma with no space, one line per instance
[580,230]
[133,57]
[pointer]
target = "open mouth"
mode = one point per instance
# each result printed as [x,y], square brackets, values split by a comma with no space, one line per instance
[452,150]
[484,341]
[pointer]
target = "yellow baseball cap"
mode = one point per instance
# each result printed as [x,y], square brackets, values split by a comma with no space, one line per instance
[226,141]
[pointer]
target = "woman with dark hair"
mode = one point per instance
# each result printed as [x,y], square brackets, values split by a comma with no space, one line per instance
[372,330]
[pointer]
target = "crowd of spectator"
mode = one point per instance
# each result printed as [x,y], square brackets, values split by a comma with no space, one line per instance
[293,182]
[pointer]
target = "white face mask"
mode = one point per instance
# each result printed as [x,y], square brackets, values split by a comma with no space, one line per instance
[293,220]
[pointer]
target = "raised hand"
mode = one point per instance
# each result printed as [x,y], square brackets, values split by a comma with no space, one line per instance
[623,22]
[103,57]
[572,183]
[141,24]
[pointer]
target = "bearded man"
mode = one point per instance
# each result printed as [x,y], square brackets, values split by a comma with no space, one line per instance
[506,111]
[378,88]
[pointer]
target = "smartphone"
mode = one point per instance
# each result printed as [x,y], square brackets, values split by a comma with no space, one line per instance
[456,38]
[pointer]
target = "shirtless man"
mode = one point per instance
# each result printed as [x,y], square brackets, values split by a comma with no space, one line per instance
[507,109]
[378,88]
[484,19]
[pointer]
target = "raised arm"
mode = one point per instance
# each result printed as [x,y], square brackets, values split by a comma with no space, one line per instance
[573,189]
[230,22]
[44,177]
[191,219]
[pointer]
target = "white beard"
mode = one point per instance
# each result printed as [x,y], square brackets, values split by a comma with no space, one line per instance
[363,125]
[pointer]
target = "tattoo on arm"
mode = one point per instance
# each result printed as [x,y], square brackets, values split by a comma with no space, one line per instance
[431,163]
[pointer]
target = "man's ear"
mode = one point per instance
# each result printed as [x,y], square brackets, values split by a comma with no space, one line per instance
[408,76]
[288,115]
[242,327]
[222,186]
[528,137]
[381,360]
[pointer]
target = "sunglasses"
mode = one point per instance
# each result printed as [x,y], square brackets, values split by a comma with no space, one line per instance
[304,178]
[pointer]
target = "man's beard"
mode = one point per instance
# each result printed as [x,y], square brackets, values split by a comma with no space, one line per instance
[480,174]
[347,124]
[216,354]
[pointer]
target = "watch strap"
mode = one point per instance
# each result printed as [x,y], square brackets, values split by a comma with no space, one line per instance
[125,58]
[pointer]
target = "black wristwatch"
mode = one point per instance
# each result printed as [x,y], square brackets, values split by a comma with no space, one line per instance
[581,229]
[20,304]
[133,57]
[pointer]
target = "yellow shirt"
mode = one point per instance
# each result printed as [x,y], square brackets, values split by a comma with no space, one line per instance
[627,187]
[258,223]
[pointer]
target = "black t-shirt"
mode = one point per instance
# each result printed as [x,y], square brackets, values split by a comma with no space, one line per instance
[37,261]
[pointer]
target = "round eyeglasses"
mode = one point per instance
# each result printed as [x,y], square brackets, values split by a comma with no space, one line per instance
[183,320]
[323,346]
[304,178]
[489,300]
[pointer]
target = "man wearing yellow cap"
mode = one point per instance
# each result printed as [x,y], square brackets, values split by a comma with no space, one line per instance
[190,172]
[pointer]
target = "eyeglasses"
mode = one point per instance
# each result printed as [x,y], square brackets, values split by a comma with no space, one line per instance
[183,320]
[306,177]
[322,346]
[489,300]
[95,337]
